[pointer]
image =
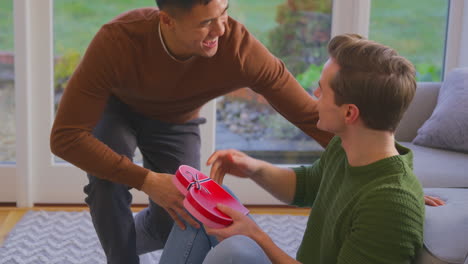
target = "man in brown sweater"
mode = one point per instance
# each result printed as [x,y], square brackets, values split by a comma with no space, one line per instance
[141,83]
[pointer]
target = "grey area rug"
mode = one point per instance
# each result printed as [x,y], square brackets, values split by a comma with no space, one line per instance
[69,237]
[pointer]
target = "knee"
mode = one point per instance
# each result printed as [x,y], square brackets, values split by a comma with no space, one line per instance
[237,249]
[99,190]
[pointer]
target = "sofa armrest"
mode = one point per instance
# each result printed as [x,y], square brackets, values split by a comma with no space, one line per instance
[419,111]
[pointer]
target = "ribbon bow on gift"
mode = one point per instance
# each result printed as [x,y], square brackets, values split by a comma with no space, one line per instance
[197,182]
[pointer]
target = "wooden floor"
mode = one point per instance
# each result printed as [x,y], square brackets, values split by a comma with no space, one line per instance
[9,215]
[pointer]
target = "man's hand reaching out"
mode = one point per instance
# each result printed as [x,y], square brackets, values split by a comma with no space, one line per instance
[160,188]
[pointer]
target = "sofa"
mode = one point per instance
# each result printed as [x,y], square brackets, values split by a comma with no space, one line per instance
[442,173]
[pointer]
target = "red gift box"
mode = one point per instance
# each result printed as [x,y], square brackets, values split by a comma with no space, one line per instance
[202,195]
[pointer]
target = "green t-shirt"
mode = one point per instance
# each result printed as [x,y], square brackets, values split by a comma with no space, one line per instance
[367,214]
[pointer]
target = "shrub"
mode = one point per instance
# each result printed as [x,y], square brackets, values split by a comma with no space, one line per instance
[277,127]
[302,34]
[426,72]
[64,67]
[310,77]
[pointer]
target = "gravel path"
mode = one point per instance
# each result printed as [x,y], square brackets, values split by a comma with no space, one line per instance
[7,123]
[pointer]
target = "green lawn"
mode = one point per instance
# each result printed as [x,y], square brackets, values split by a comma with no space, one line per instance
[6,25]
[257,15]
[415,28]
[77,21]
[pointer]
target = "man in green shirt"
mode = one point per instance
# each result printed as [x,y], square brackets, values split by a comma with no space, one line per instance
[367,205]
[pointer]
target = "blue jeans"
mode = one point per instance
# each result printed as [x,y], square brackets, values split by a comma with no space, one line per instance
[237,250]
[195,246]
[164,147]
[187,246]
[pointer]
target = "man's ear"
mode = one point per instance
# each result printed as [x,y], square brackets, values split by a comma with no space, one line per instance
[166,19]
[351,114]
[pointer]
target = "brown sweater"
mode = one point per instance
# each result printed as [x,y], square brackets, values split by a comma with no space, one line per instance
[126,59]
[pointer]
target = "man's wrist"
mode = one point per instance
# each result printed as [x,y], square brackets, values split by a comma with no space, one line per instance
[260,171]
[150,178]
[261,238]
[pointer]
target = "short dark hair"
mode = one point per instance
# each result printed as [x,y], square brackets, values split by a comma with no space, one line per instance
[186,5]
[374,78]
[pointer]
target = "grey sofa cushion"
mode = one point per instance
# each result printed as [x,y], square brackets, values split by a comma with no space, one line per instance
[419,111]
[446,227]
[439,168]
[447,127]
[424,257]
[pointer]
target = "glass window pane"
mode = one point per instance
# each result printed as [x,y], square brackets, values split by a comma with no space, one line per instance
[416,29]
[7,88]
[297,32]
[75,24]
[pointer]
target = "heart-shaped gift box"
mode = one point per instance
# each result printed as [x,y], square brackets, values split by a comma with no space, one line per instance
[202,195]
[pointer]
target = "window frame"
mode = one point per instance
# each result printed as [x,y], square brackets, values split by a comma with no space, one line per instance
[36,178]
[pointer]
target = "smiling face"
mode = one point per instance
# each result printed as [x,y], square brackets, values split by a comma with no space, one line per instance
[196,32]
[331,116]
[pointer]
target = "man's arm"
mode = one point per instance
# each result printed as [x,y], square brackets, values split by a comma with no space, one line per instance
[81,108]
[280,182]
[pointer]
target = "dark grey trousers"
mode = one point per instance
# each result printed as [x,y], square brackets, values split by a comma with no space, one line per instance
[164,148]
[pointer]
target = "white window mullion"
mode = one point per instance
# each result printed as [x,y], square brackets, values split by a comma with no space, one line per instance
[457,36]
[464,37]
[22,32]
[34,77]
[351,16]
[208,133]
